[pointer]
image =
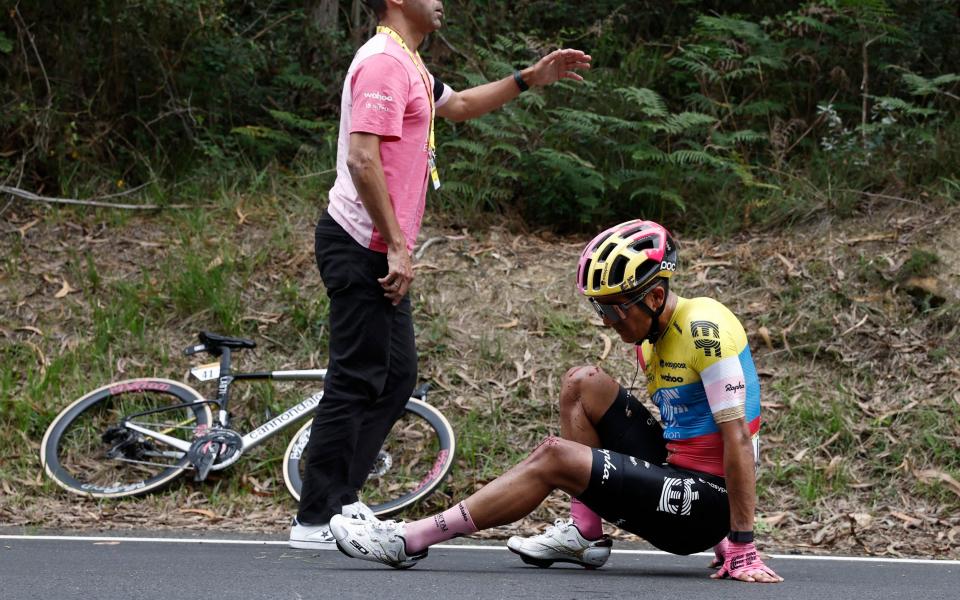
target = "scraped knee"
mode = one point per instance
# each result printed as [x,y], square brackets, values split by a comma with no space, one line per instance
[589,386]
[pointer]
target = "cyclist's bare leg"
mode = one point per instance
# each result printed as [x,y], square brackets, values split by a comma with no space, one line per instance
[585,396]
[555,464]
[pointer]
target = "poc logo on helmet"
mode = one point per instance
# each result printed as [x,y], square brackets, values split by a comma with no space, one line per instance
[668,266]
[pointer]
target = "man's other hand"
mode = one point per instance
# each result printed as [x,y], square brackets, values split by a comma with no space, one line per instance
[559,64]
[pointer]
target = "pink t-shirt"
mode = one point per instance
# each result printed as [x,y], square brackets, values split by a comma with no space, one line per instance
[385,95]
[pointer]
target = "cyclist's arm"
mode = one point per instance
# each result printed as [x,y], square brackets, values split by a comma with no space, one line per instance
[725,387]
[740,560]
[738,465]
[477,101]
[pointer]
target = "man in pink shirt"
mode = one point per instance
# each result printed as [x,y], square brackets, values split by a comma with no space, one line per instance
[385,161]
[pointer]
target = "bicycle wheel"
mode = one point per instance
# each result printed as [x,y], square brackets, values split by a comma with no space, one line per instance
[87,449]
[415,458]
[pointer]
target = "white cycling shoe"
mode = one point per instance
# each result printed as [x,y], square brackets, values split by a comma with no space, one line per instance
[378,541]
[319,537]
[561,542]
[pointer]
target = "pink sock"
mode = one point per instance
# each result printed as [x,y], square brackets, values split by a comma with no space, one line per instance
[587,521]
[447,525]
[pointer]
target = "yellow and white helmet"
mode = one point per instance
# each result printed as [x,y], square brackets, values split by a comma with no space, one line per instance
[625,258]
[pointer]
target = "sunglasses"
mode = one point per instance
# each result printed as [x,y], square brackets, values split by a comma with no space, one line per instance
[610,312]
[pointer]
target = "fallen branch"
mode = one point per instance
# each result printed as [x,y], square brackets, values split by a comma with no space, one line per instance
[426,245]
[881,196]
[36,198]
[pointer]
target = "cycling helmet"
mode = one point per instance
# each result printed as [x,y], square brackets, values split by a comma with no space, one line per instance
[625,258]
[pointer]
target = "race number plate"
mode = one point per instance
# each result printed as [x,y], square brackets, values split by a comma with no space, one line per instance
[206,372]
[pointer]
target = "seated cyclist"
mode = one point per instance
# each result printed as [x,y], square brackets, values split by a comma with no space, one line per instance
[685,485]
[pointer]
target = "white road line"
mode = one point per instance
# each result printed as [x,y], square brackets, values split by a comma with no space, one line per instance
[114,539]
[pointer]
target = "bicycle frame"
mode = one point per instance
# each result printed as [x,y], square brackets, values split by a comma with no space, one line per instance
[225,377]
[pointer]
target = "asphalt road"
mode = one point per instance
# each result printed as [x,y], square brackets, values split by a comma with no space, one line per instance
[66,568]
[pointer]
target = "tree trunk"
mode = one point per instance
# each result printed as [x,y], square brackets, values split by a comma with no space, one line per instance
[323,14]
[865,89]
[865,93]
[358,25]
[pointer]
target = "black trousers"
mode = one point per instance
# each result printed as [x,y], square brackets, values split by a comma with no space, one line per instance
[370,375]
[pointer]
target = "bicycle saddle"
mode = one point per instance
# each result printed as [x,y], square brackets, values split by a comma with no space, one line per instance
[213,341]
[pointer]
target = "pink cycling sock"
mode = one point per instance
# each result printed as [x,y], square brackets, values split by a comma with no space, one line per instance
[587,521]
[447,525]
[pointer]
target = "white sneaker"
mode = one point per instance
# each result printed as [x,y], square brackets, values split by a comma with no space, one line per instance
[358,510]
[378,541]
[561,542]
[319,537]
[311,537]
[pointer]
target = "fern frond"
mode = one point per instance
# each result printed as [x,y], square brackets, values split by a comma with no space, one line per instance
[696,67]
[583,122]
[579,172]
[460,165]
[908,108]
[739,73]
[457,187]
[649,154]
[760,108]
[702,103]
[659,193]
[508,148]
[945,79]
[775,63]
[475,148]
[649,102]
[815,24]
[259,132]
[695,157]
[622,177]
[652,191]
[578,122]
[730,26]
[299,81]
[744,136]
[682,122]
[921,86]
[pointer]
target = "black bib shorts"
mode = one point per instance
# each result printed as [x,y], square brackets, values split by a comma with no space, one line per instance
[677,510]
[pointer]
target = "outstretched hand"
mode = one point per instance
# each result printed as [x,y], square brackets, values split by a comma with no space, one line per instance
[559,64]
[742,562]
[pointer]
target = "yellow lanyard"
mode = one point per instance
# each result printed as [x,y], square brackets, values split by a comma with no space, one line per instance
[418,62]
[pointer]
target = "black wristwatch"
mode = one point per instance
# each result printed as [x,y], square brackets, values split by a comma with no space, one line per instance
[740,537]
[520,82]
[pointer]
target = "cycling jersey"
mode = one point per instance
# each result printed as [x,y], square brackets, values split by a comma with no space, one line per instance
[700,373]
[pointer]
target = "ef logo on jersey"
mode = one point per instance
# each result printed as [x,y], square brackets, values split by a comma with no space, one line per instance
[708,329]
